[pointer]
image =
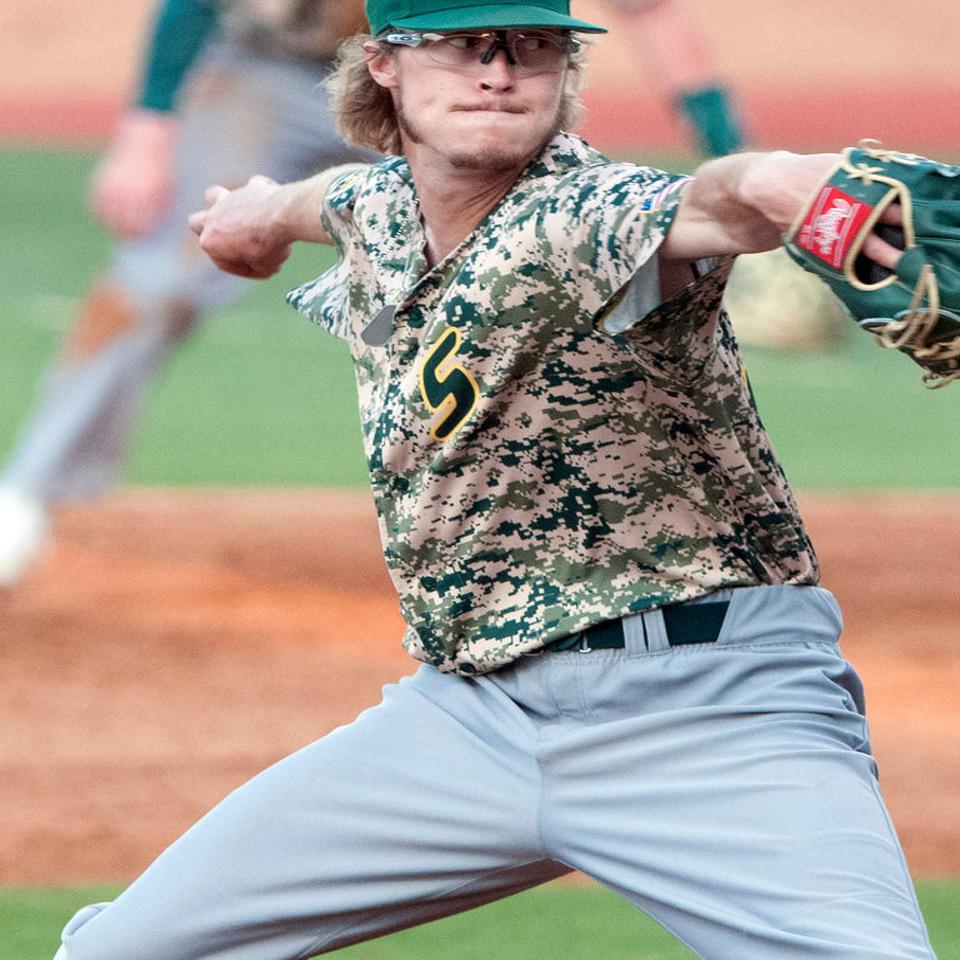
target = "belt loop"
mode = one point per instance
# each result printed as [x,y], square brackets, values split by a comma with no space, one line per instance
[635,634]
[584,644]
[656,630]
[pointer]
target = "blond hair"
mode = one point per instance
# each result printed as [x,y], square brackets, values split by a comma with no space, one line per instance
[364,111]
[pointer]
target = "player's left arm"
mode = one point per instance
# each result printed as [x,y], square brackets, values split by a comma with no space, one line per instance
[746,202]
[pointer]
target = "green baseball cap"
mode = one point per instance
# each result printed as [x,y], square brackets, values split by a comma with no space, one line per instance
[477,15]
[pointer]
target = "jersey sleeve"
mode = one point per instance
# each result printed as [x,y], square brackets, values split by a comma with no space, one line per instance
[339,204]
[679,337]
[326,300]
[181,28]
[602,228]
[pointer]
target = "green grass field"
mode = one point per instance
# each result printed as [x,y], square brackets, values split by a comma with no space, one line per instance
[260,397]
[573,923]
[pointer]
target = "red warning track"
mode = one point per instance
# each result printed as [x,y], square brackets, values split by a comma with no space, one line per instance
[914,119]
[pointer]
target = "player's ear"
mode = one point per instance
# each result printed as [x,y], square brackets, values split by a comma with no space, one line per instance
[382,63]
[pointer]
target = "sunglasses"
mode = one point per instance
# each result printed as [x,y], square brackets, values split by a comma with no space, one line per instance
[528,51]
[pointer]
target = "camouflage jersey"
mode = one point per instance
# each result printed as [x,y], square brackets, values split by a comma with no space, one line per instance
[549,444]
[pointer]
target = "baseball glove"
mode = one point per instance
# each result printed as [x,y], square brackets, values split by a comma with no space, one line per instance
[916,307]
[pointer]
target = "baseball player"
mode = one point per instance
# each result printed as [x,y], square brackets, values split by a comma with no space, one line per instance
[229,88]
[677,58]
[627,664]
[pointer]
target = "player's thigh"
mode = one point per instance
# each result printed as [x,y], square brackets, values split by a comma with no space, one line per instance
[249,113]
[747,819]
[230,122]
[789,853]
[402,816]
[305,137]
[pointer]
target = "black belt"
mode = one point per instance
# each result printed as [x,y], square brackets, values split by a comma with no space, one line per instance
[684,623]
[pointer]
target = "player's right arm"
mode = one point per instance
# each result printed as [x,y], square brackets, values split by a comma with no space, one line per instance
[249,231]
[133,183]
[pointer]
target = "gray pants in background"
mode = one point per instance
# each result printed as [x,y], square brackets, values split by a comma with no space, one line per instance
[244,113]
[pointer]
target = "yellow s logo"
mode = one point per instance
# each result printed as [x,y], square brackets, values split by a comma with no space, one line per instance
[447,387]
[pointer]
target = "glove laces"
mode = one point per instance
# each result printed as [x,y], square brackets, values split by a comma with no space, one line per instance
[914,326]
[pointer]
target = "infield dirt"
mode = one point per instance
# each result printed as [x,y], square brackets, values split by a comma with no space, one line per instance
[174,643]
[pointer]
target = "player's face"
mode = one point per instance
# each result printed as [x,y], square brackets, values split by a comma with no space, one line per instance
[466,102]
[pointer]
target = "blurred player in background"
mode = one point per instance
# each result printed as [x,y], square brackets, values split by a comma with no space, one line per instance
[677,56]
[772,302]
[229,88]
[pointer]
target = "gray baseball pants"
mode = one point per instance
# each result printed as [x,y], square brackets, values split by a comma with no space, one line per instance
[244,113]
[725,789]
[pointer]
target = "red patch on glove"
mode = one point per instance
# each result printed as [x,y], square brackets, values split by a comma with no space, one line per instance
[831,225]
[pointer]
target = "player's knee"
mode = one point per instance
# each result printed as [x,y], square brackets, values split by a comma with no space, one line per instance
[110,313]
[176,318]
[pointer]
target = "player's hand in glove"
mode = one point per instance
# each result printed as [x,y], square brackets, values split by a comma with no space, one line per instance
[913,203]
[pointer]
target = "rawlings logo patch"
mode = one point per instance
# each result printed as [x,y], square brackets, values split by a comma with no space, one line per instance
[831,225]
